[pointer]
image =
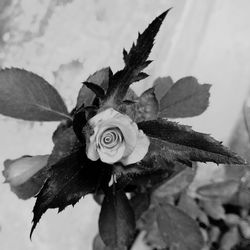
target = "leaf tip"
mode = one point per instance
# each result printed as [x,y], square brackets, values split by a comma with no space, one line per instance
[162,16]
[32,230]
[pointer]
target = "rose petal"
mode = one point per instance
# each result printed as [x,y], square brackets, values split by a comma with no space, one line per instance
[135,143]
[111,156]
[130,134]
[140,150]
[103,116]
[32,186]
[128,128]
[20,170]
[91,150]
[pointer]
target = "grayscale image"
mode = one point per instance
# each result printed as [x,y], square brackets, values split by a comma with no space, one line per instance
[124,125]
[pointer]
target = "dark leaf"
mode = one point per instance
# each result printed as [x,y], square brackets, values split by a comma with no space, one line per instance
[178,230]
[143,178]
[135,62]
[140,203]
[186,98]
[70,179]
[161,86]
[129,102]
[25,95]
[71,175]
[100,78]
[140,76]
[98,198]
[98,244]
[116,222]
[140,51]
[66,144]
[60,128]
[98,90]
[176,142]
[79,121]
[91,108]
[125,56]
[142,172]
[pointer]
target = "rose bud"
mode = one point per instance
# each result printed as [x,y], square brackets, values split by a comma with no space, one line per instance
[25,174]
[116,138]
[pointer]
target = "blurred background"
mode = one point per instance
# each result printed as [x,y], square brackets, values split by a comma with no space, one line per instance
[65,41]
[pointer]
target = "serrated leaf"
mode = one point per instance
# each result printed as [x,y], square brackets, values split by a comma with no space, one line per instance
[186,98]
[25,95]
[161,86]
[71,175]
[141,76]
[175,142]
[100,78]
[98,90]
[178,230]
[70,179]
[140,51]
[145,170]
[125,55]
[135,62]
[143,178]
[116,221]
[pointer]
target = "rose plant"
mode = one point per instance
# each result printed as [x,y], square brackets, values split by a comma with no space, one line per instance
[113,134]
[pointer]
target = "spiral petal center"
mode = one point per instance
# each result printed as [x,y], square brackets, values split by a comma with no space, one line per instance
[111,138]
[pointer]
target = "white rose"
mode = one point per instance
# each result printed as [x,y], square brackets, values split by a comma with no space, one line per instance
[116,138]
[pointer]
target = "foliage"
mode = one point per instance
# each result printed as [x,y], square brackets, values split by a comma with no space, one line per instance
[154,194]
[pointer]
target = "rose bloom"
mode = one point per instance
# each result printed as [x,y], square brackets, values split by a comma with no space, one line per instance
[116,138]
[18,171]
